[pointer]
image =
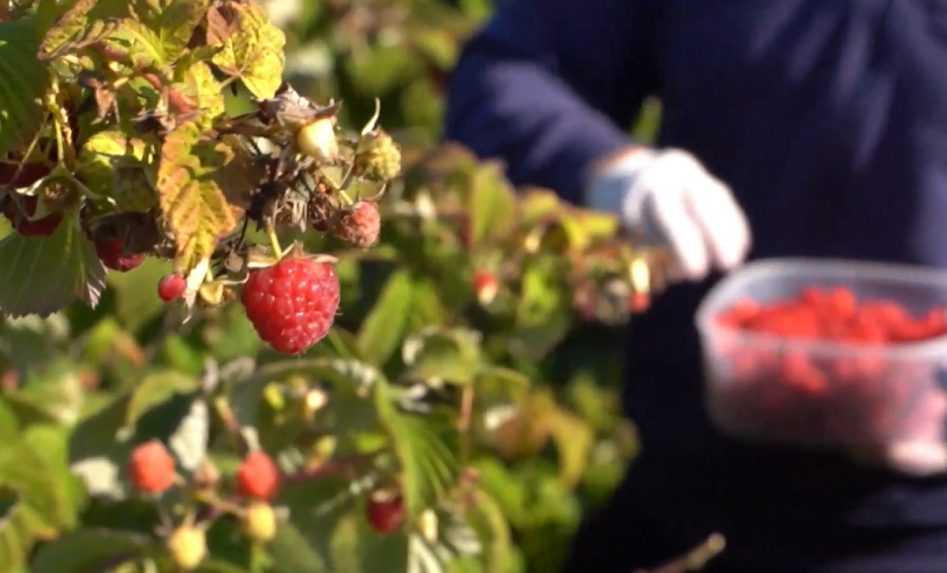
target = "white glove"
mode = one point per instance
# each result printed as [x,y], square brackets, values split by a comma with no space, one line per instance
[670,199]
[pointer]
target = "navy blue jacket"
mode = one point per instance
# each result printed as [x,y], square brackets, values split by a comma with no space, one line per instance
[828,118]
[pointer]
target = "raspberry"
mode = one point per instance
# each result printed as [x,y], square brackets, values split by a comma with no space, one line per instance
[486,286]
[40,227]
[360,225]
[292,304]
[171,287]
[638,302]
[258,476]
[378,157]
[259,522]
[113,255]
[318,140]
[151,467]
[187,546]
[385,511]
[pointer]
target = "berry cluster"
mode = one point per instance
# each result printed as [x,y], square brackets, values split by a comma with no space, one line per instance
[859,396]
[151,469]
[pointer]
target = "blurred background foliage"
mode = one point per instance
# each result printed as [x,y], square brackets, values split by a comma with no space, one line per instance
[546,442]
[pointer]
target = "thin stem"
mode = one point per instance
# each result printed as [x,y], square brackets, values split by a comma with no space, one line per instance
[464,422]
[274,241]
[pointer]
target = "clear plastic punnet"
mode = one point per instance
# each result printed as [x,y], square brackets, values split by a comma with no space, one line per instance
[864,395]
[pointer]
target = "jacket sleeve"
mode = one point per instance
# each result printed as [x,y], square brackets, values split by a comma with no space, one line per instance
[549,86]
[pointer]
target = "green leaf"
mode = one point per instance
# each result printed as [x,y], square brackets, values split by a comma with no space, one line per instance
[491,525]
[156,389]
[47,496]
[383,329]
[492,205]
[254,53]
[88,551]
[293,552]
[52,393]
[41,275]
[22,82]
[355,548]
[428,466]
[438,355]
[8,424]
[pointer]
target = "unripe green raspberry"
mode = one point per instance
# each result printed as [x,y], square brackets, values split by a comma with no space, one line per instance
[259,521]
[187,546]
[378,157]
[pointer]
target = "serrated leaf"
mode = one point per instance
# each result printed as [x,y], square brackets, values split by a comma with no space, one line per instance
[159,36]
[174,22]
[22,82]
[157,389]
[116,166]
[492,205]
[41,275]
[254,53]
[198,84]
[88,550]
[195,211]
[142,44]
[428,466]
[68,28]
[383,329]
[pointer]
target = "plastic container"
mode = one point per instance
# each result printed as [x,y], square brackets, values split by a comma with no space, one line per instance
[866,395]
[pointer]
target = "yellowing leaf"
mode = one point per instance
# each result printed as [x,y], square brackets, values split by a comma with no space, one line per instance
[111,165]
[143,45]
[196,212]
[198,84]
[161,35]
[254,53]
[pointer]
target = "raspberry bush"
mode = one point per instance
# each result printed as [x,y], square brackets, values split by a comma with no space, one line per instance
[239,335]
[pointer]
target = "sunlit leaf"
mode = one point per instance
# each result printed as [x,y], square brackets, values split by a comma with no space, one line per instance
[195,210]
[254,52]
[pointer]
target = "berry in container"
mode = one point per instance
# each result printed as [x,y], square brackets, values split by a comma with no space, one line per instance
[827,353]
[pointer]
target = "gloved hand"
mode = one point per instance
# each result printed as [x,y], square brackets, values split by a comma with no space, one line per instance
[669,199]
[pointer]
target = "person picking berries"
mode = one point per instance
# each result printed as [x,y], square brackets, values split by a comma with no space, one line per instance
[793,128]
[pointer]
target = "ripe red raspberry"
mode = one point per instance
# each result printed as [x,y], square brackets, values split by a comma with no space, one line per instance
[486,286]
[360,225]
[292,304]
[151,467]
[385,511]
[171,287]
[258,476]
[40,227]
[113,255]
